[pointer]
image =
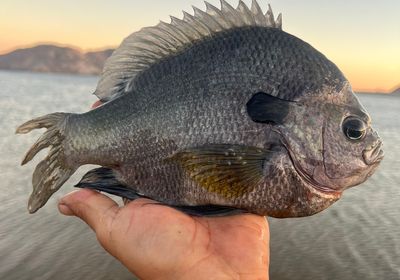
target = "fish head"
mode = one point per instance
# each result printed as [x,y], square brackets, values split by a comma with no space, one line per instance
[352,148]
[330,141]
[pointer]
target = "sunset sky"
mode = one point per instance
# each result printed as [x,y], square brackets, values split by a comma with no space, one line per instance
[361,36]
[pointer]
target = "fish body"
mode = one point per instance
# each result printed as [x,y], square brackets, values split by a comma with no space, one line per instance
[215,112]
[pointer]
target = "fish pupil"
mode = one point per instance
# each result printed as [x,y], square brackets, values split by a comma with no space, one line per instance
[354,129]
[354,134]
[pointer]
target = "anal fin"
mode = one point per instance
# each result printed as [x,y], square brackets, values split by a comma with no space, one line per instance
[103,179]
[209,210]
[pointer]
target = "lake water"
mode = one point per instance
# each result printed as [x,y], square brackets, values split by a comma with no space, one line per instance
[356,238]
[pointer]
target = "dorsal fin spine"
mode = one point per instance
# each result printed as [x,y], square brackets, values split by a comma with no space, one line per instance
[168,29]
[237,20]
[243,9]
[213,11]
[258,15]
[207,19]
[269,15]
[278,22]
[146,47]
[184,36]
[197,24]
[186,28]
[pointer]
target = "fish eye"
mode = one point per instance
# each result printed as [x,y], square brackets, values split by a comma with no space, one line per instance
[354,128]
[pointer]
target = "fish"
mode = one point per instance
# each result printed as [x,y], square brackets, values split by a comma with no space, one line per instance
[219,113]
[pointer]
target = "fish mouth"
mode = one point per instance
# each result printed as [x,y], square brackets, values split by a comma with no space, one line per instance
[374,154]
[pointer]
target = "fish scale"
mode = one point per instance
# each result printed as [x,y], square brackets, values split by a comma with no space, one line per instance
[219,113]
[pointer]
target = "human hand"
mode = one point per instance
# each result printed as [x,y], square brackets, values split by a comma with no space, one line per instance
[155,241]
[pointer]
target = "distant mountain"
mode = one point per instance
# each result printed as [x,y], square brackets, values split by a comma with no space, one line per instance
[396,91]
[50,58]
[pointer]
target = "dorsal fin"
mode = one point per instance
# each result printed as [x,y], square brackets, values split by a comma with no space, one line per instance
[142,49]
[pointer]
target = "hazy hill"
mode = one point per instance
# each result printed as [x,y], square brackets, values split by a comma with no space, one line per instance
[396,91]
[50,58]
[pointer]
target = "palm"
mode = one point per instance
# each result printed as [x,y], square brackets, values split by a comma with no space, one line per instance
[147,235]
[158,242]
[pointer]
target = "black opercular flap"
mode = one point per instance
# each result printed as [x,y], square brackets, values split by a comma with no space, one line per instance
[265,108]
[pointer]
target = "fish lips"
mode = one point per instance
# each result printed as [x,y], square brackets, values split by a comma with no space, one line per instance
[374,154]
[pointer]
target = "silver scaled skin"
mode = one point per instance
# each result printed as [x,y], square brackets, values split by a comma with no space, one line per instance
[249,117]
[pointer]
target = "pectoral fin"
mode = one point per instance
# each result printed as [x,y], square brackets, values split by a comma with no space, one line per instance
[229,170]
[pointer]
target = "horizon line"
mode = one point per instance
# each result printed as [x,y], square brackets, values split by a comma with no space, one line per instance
[96,49]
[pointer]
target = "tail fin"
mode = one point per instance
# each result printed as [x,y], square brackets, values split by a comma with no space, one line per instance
[53,171]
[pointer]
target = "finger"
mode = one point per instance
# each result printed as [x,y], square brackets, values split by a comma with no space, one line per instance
[94,208]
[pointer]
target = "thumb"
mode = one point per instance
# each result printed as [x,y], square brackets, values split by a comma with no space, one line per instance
[96,209]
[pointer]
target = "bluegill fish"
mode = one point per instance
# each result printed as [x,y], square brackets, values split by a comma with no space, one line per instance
[218,113]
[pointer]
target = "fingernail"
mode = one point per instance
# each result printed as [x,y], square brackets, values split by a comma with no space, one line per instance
[64,209]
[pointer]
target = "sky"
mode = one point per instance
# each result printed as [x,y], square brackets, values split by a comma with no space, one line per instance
[361,36]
